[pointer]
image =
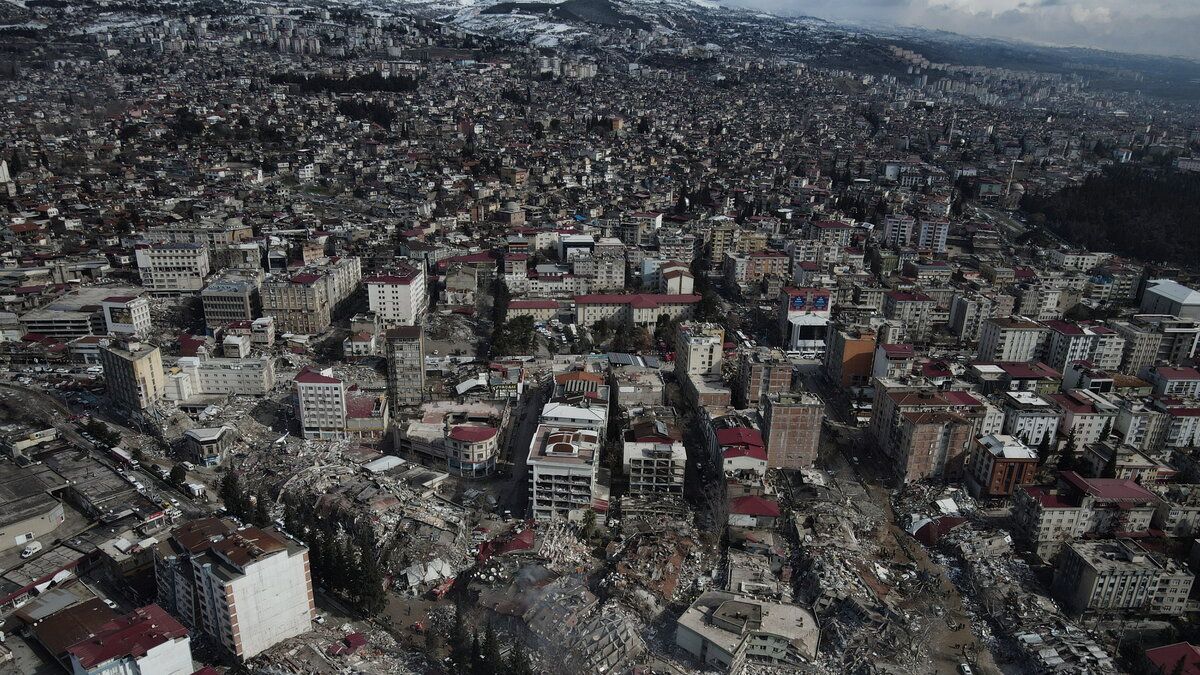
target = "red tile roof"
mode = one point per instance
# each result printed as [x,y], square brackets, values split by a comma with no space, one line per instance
[739,436]
[131,635]
[466,433]
[1168,657]
[752,505]
[307,376]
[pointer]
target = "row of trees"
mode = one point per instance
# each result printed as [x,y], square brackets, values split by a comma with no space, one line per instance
[471,654]
[237,500]
[345,563]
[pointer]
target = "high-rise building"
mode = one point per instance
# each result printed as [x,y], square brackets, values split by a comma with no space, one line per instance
[792,429]
[406,365]
[563,466]
[133,373]
[172,269]
[699,348]
[321,404]
[398,298]
[1011,338]
[246,589]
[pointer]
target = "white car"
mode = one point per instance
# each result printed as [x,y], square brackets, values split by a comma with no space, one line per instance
[31,548]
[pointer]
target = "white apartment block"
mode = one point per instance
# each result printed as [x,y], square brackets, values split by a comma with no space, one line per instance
[321,404]
[201,375]
[932,235]
[562,471]
[400,298]
[699,349]
[1070,342]
[1010,339]
[898,231]
[127,315]
[246,589]
[172,269]
[654,468]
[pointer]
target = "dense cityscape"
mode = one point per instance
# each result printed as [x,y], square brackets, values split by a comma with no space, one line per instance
[589,337]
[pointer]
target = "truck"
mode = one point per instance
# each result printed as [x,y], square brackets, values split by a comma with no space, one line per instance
[122,457]
[31,548]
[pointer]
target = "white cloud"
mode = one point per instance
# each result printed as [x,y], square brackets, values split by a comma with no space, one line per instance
[1167,27]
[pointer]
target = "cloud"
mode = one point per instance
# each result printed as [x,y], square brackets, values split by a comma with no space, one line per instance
[1165,27]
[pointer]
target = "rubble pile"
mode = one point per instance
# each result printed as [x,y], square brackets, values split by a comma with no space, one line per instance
[651,568]
[1029,626]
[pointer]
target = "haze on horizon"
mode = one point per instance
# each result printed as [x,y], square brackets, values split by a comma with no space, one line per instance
[1162,27]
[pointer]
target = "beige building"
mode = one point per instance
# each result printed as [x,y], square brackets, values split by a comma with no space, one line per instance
[245,589]
[172,269]
[699,348]
[1096,577]
[133,372]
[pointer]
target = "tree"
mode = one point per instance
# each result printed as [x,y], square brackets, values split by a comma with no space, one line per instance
[262,509]
[639,339]
[589,523]
[232,495]
[460,646]
[178,475]
[518,661]
[372,596]
[1043,450]
[664,329]
[1066,461]
[492,660]
[1110,466]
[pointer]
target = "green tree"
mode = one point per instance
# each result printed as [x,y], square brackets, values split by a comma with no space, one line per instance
[232,495]
[262,509]
[460,644]
[178,475]
[1043,449]
[518,661]
[1110,466]
[491,658]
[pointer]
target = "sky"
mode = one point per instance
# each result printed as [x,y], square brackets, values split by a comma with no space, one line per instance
[1164,27]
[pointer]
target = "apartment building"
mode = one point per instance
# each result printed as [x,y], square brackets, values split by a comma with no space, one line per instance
[998,464]
[173,268]
[230,299]
[1030,417]
[912,310]
[633,309]
[405,349]
[926,433]
[563,463]
[1070,342]
[1099,577]
[205,375]
[321,404]
[849,355]
[298,304]
[1151,339]
[1083,413]
[1045,517]
[133,373]
[792,429]
[1011,339]
[729,632]
[245,589]
[305,302]
[932,235]
[399,298]
[653,457]
[147,641]
[127,315]
[699,348]
[761,372]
